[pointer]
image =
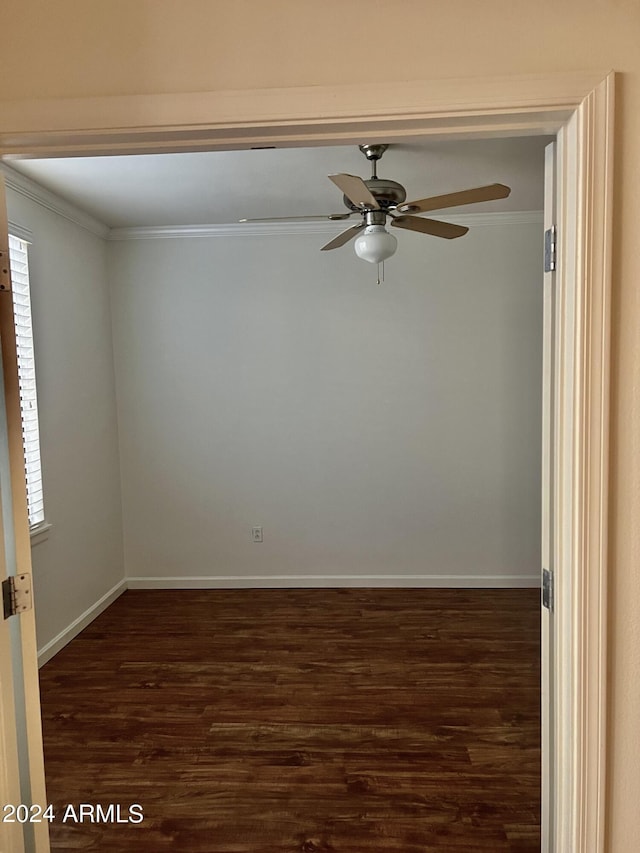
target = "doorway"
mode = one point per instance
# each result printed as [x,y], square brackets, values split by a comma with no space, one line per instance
[420,389]
[585,175]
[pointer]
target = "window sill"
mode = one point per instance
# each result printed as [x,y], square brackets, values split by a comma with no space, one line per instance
[40,533]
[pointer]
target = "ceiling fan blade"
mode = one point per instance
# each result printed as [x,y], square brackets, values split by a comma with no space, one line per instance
[439,202]
[430,226]
[320,216]
[355,190]
[344,237]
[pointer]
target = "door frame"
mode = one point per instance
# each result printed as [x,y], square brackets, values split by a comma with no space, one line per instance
[27,763]
[547,694]
[579,109]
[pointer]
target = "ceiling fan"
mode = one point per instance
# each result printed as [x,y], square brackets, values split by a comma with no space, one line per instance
[377,199]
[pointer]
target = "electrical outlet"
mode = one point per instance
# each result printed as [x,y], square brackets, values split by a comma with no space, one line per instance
[256,534]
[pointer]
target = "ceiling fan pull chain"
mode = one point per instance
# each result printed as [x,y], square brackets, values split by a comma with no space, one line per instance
[380,266]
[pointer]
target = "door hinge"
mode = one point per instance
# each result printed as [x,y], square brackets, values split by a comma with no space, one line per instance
[16,595]
[5,274]
[547,589]
[550,248]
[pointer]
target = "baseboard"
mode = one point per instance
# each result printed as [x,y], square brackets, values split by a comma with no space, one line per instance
[60,641]
[326,581]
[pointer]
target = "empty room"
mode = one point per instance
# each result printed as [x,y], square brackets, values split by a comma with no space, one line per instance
[126,494]
[287,527]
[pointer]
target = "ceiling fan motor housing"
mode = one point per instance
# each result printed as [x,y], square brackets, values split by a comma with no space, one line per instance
[387,193]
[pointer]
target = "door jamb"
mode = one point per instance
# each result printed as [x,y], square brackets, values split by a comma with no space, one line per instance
[16,520]
[579,108]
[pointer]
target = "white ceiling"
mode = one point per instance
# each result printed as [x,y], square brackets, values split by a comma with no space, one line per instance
[224,186]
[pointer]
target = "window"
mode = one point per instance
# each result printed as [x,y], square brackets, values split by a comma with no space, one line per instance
[27,379]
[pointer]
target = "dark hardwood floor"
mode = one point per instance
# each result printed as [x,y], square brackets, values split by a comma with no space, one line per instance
[274,721]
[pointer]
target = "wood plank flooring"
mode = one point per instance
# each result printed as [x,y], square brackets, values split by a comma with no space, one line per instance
[285,721]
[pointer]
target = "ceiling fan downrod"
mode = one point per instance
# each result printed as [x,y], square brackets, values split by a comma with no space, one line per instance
[373,153]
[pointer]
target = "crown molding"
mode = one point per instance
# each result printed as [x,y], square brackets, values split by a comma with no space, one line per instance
[20,232]
[45,198]
[293,228]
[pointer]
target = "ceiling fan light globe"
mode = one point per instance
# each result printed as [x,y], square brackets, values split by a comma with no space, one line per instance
[375,244]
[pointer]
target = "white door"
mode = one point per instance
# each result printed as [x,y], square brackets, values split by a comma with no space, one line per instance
[548,421]
[22,830]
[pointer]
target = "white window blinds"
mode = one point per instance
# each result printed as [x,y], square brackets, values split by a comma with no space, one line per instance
[27,378]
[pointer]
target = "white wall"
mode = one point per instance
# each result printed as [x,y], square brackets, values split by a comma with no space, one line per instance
[377,433]
[82,559]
